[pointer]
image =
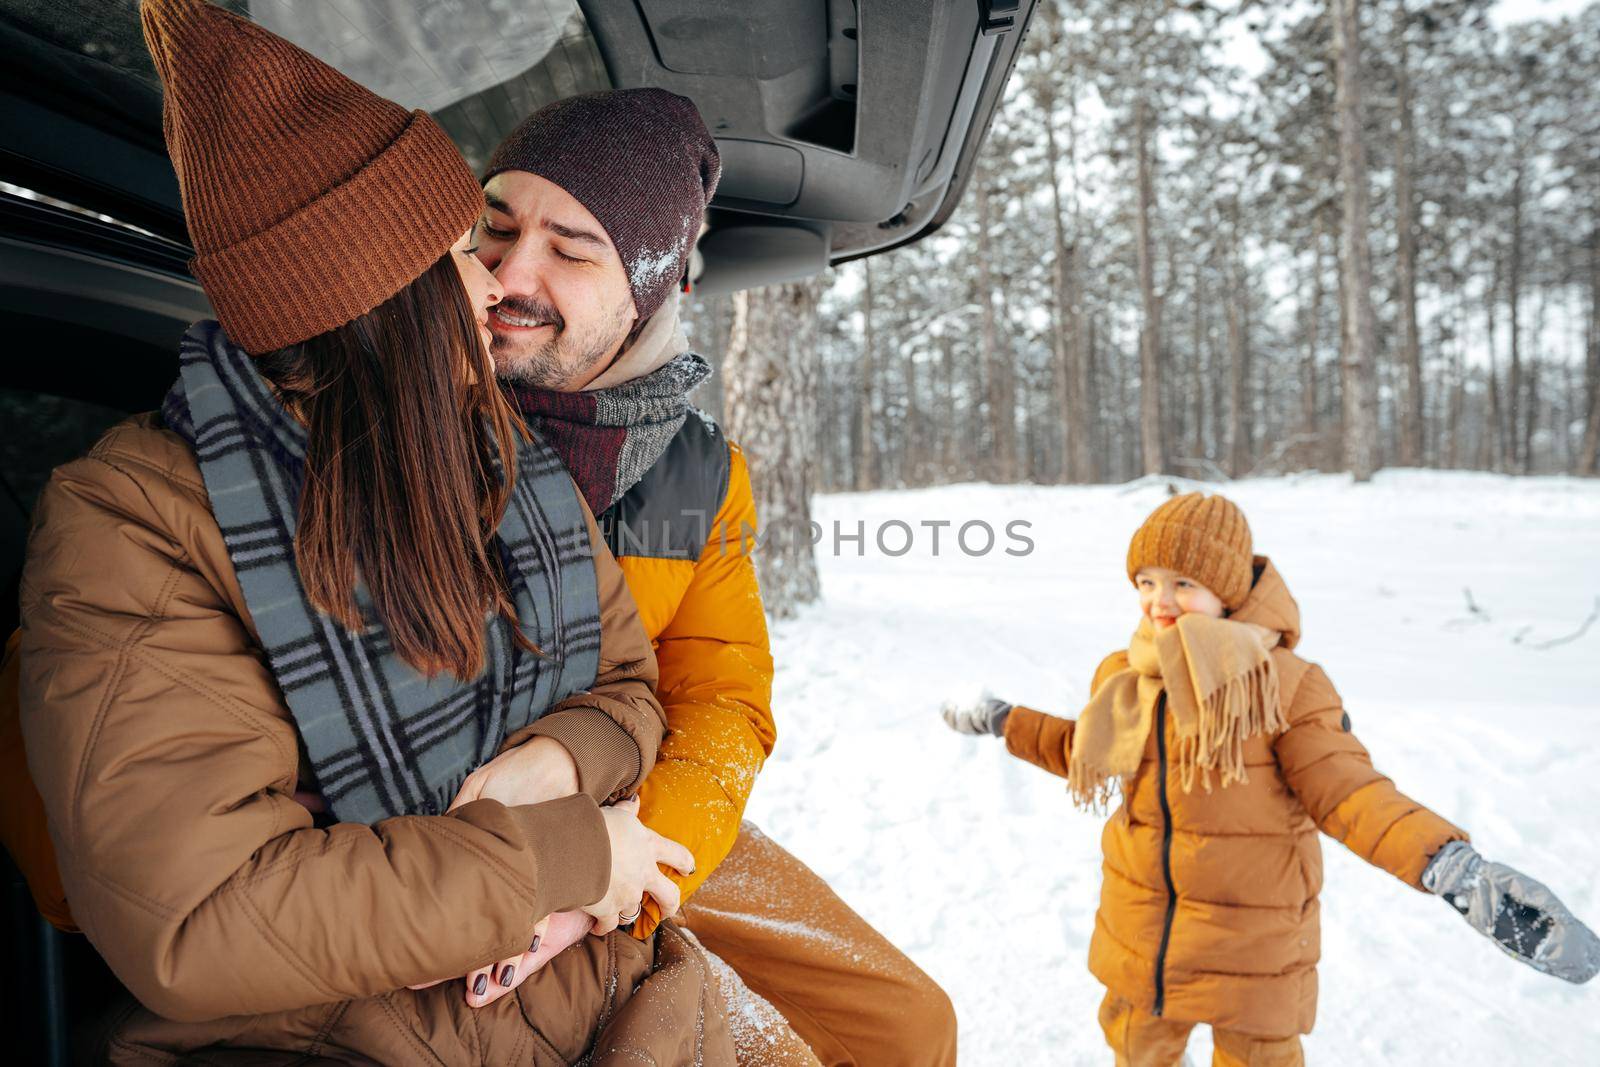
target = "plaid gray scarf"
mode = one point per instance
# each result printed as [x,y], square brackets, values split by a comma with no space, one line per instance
[383,740]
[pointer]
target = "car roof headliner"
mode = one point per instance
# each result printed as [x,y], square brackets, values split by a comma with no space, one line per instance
[845,128]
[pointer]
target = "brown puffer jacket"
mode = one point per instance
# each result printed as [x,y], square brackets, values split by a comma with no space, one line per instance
[1208,908]
[167,762]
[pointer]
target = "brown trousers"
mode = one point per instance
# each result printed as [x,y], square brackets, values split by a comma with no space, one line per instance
[849,994]
[1140,1039]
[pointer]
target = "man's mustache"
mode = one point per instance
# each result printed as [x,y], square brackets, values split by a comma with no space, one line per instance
[522,307]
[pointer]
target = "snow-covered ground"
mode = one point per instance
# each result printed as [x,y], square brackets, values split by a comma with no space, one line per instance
[978,866]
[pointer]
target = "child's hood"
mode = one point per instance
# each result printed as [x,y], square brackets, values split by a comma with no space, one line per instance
[1269,604]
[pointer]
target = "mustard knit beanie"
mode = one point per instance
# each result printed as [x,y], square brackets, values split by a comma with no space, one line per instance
[310,200]
[1202,537]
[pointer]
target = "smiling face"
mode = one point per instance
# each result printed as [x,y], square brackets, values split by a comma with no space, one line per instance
[1165,594]
[567,308]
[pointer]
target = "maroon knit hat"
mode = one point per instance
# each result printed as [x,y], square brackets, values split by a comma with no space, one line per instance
[641,161]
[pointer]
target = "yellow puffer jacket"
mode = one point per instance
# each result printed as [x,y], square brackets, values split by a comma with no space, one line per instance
[1208,908]
[683,537]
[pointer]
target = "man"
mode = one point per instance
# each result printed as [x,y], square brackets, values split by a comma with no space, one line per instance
[591,209]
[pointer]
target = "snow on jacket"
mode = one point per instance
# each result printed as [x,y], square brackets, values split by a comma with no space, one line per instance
[1208,905]
[167,762]
[683,537]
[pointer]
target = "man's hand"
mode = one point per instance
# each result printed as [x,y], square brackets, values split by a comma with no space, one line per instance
[987,716]
[1518,913]
[538,770]
[636,851]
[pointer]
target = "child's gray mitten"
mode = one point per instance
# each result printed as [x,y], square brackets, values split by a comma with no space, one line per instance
[987,716]
[1522,916]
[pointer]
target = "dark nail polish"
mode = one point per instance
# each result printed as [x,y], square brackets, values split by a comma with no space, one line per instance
[507,974]
[481,986]
[535,946]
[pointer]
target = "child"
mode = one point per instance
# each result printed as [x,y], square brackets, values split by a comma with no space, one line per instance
[1230,753]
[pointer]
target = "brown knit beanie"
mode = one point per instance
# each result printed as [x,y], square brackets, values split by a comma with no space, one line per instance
[641,161]
[309,199]
[1202,537]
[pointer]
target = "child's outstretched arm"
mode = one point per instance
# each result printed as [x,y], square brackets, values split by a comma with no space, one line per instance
[1333,777]
[1042,739]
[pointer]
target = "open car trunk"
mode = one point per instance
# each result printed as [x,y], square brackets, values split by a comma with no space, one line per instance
[846,127]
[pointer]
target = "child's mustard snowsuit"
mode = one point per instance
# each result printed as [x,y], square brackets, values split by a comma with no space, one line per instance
[1208,909]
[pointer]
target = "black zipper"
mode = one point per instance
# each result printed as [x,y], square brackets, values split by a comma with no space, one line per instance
[1166,855]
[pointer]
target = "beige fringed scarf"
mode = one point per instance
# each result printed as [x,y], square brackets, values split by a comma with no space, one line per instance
[1222,688]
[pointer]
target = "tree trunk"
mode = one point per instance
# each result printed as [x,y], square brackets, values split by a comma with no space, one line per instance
[914,457]
[1458,397]
[1060,347]
[1085,457]
[996,363]
[1588,459]
[1238,354]
[948,458]
[1411,397]
[1094,390]
[1358,360]
[1447,442]
[1197,442]
[1217,443]
[866,443]
[1067,332]
[1151,438]
[1516,413]
[1493,449]
[771,371]
[707,321]
[1310,414]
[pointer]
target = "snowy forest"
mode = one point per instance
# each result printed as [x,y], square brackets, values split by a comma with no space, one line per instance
[1214,239]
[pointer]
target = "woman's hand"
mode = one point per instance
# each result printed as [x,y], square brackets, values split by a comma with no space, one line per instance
[484,985]
[635,852]
[539,770]
[552,936]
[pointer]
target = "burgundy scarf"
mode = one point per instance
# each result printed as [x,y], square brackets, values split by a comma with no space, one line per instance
[609,438]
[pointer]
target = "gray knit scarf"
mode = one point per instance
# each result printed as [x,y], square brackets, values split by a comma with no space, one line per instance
[610,437]
[382,739]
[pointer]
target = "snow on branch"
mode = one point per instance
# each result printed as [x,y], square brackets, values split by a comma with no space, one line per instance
[1583,628]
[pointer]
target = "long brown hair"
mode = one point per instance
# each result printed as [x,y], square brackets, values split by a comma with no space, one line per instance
[409,464]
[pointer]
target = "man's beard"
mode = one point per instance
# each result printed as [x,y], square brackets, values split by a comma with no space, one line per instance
[551,364]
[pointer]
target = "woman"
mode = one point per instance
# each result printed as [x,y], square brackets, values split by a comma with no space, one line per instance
[334,575]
